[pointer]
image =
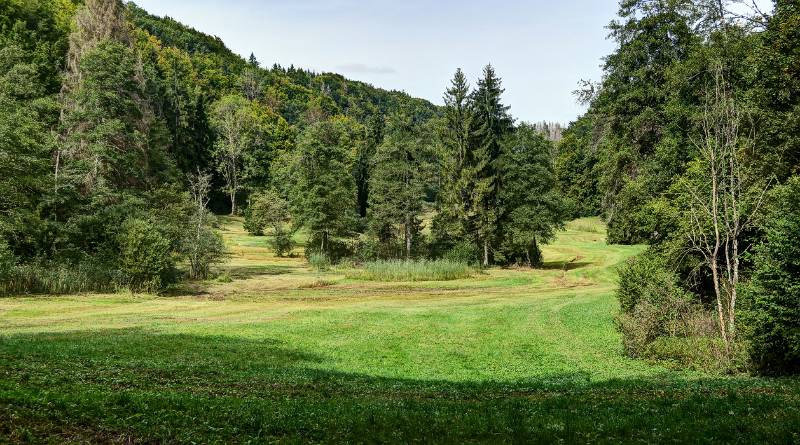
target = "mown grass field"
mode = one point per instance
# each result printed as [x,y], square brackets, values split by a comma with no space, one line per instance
[285,354]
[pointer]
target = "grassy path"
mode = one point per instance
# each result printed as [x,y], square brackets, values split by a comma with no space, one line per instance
[285,354]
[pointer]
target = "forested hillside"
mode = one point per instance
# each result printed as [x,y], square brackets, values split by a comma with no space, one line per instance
[110,116]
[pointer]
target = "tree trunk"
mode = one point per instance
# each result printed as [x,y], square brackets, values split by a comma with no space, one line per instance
[485,253]
[233,203]
[409,237]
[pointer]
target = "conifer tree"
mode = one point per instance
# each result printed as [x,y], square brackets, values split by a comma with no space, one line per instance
[398,183]
[491,124]
[457,157]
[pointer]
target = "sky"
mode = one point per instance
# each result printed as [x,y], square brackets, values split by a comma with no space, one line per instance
[540,48]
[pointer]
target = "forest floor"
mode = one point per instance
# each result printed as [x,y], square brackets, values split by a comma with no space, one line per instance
[281,353]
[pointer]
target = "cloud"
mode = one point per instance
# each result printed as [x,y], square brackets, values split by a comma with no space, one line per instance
[361,68]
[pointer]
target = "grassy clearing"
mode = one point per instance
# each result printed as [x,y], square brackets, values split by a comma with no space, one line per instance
[284,353]
[410,271]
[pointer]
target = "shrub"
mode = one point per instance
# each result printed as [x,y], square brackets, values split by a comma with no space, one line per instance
[464,252]
[7,261]
[252,224]
[771,300]
[646,278]
[203,248]
[336,249]
[145,256]
[282,243]
[654,305]
[422,270]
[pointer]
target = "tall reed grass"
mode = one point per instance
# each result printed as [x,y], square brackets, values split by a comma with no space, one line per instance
[57,279]
[418,270]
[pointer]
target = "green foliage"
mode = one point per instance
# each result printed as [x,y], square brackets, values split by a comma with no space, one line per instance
[661,321]
[322,189]
[492,124]
[530,203]
[771,300]
[576,166]
[204,249]
[400,176]
[464,252]
[413,270]
[145,256]
[646,278]
[268,209]
[7,261]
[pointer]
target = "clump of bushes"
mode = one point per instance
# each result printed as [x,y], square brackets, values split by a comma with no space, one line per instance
[659,320]
[145,256]
[464,252]
[418,270]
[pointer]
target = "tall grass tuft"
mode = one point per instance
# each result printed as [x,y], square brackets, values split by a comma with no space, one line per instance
[57,279]
[319,262]
[421,270]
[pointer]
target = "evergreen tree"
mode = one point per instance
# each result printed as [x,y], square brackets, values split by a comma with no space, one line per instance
[531,206]
[771,300]
[363,168]
[401,173]
[457,159]
[491,124]
[323,191]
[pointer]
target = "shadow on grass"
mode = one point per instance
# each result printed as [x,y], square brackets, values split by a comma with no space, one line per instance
[147,386]
[247,272]
[564,265]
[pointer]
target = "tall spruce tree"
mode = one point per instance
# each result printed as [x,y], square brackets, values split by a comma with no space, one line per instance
[457,158]
[400,175]
[490,125]
[323,191]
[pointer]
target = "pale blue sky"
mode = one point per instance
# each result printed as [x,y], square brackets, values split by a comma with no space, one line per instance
[541,48]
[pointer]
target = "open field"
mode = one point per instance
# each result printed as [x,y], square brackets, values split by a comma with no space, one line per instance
[286,354]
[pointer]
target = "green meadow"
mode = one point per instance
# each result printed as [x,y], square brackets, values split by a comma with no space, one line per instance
[278,352]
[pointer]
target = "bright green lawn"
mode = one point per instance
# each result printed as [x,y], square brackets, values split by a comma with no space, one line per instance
[285,354]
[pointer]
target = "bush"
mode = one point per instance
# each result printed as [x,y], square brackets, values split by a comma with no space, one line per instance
[7,261]
[464,252]
[422,270]
[655,311]
[252,224]
[336,249]
[203,248]
[647,278]
[771,300]
[145,256]
[282,243]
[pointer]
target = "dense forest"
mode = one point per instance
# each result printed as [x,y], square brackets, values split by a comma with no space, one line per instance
[123,134]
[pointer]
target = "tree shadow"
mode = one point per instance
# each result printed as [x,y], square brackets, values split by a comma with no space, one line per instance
[248,272]
[210,388]
[564,265]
